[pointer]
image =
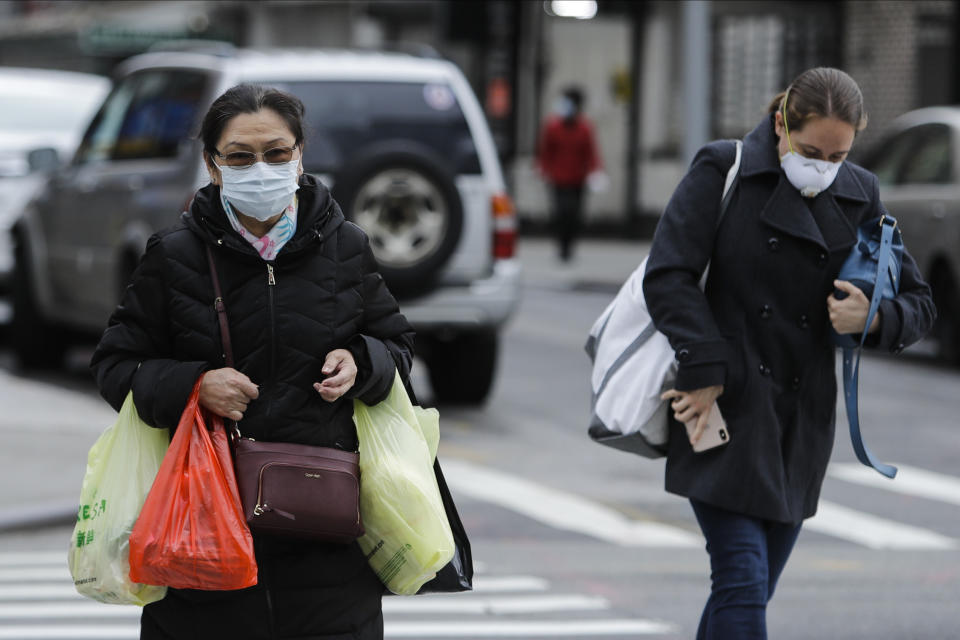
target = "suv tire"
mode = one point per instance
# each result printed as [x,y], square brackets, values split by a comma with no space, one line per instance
[410,209]
[36,344]
[462,367]
[947,326]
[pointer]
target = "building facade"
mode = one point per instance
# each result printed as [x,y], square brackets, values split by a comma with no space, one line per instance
[639,64]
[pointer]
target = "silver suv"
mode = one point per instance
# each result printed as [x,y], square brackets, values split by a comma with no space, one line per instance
[401,140]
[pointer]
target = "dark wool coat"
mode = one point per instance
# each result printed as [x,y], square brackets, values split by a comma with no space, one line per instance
[761,328]
[325,294]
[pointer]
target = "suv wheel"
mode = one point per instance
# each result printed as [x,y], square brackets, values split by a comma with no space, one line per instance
[947,326]
[36,344]
[462,367]
[410,209]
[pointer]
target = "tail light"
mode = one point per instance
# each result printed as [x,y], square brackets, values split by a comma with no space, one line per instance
[504,226]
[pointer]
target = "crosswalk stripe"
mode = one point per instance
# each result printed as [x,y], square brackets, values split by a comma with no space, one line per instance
[64,590]
[508,584]
[70,632]
[462,603]
[38,592]
[34,574]
[873,532]
[84,609]
[910,481]
[527,628]
[562,510]
[27,558]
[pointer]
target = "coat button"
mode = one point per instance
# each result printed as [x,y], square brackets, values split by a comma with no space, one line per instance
[683,355]
[774,244]
[803,322]
[796,384]
[764,369]
[822,258]
[765,311]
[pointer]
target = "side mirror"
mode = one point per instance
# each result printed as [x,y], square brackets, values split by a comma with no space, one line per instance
[43,159]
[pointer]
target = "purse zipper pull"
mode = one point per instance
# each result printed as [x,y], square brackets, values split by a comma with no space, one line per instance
[260,509]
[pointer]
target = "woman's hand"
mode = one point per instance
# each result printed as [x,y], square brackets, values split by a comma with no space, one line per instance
[850,314]
[690,405]
[227,392]
[342,374]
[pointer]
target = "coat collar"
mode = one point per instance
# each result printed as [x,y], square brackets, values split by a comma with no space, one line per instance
[822,220]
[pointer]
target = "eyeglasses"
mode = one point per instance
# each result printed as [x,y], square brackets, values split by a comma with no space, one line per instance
[244,159]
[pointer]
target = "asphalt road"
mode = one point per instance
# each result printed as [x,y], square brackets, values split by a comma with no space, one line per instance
[572,540]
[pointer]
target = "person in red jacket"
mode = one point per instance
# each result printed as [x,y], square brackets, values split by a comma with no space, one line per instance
[566,157]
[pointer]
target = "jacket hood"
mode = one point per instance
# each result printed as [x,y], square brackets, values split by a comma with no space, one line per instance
[318,216]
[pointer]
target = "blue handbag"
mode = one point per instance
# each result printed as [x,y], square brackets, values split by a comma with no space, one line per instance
[874,267]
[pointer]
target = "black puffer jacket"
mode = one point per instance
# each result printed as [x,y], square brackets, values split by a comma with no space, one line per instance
[322,292]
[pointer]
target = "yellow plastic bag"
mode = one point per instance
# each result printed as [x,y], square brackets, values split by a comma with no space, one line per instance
[121,467]
[408,538]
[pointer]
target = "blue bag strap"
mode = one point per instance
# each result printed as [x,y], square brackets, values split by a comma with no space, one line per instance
[851,369]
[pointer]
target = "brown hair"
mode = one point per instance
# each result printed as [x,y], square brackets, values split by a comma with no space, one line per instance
[821,92]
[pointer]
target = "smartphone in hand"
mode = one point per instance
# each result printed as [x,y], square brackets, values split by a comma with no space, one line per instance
[716,433]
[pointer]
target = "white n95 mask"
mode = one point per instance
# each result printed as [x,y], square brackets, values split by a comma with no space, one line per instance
[261,190]
[809,176]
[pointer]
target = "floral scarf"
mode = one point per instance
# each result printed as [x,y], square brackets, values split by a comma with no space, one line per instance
[270,244]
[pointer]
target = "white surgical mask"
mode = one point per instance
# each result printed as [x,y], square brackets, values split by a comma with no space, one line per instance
[809,176]
[563,107]
[262,190]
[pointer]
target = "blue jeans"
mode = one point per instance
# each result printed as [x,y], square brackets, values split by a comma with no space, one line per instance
[746,557]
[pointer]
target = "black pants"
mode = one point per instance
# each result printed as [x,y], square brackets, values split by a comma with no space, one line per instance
[567,215]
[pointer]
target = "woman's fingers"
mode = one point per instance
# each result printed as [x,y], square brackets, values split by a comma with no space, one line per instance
[701,426]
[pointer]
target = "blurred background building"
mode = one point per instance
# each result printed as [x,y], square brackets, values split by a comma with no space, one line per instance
[661,77]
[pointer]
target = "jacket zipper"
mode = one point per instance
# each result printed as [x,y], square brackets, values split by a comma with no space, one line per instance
[271,283]
[262,507]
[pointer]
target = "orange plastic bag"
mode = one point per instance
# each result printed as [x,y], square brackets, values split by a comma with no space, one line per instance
[191,533]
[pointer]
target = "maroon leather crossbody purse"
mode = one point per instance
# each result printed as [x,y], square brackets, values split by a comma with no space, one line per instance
[289,489]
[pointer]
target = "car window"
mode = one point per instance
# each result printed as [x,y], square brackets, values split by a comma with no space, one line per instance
[147,115]
[919,155]
[930,161]
[344,117]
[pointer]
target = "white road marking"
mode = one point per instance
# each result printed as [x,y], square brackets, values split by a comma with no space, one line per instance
[910,481]
[874,532]
[69,632]
[35,574]
[507,584]
[562,510]
[527,628]
[23,558]
[464,603]
[39,592]
[84,609]
[454,604]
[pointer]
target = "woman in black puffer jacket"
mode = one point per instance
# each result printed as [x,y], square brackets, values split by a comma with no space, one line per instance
[312,325]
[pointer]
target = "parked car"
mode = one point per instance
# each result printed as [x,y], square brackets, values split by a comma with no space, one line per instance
[400,139]
[918,164]
[43,114]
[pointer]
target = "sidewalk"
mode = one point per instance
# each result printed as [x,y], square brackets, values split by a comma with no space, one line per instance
[597,264]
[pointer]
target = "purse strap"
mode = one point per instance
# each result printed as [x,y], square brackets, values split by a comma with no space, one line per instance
[851,367]
[221,308]
[232,428]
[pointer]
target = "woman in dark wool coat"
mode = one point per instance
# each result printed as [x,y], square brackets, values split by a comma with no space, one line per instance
[757,340]
[312,326]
